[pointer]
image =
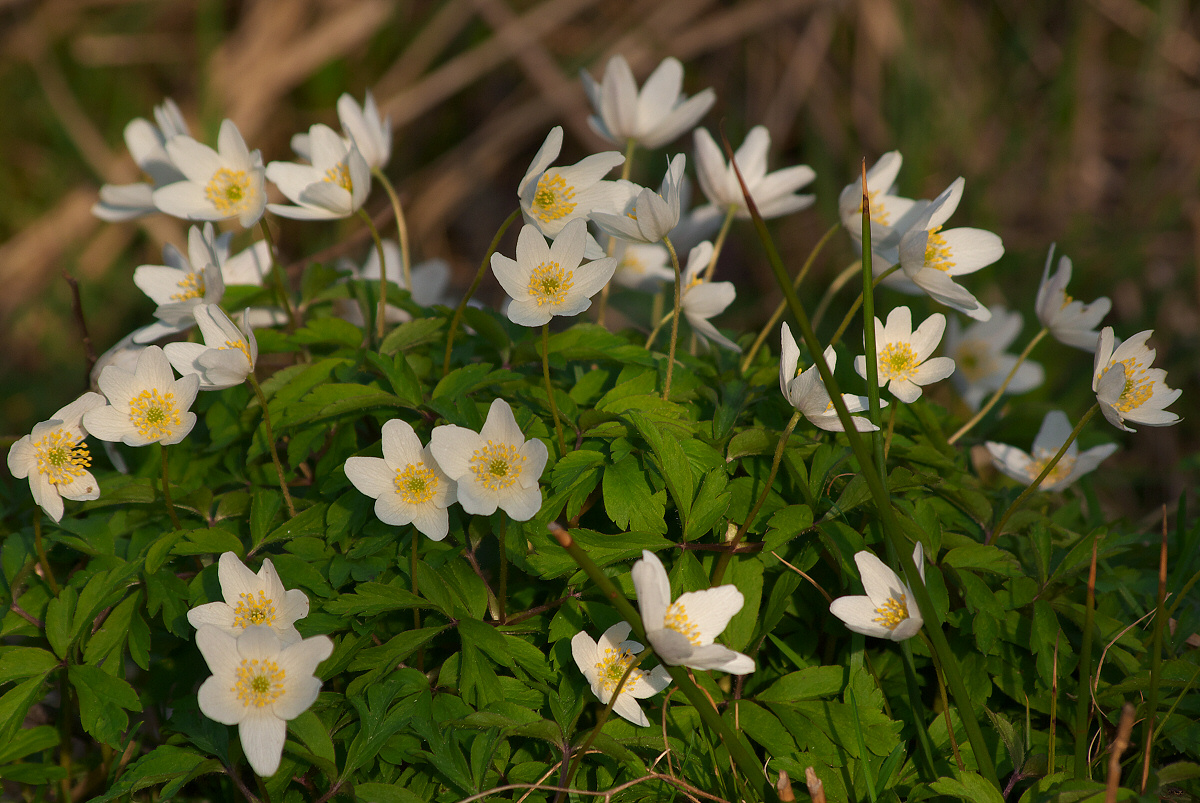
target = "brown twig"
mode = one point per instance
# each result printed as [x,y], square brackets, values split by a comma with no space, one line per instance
[1120,744]
[89,350]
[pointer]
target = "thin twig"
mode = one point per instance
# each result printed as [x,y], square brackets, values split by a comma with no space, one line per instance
[89,351]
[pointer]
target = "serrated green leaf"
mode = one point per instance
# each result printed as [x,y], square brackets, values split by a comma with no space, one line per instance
[103,701]
[630,501]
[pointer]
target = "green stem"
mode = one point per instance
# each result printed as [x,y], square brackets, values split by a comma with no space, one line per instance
[837,336]
[741,754]
[502,593]
[1033,486]
[483,266]
[719,243]
[975,419]
[608,707]
[727,556]
[666,394]
[262,402]
[562,443]
[277,271]
[657,328]
[416,611]
[778,313]
[880,495]
[872,356]
[41,553]
[926,765]
[401,228]
[381,313]
[1083,705]
[166,491]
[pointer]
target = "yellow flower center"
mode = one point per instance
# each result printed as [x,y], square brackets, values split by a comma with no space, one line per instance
[677,619]
[937,253]
[229,191]
[549,284]
[892,612]
[632,264]
[241,346]
[190,286]
[975,360]
[258,683]
[897,361]
[339,174]
[497,466]
[61,457]
[1061,470]
[415,483]
[1138,386]
[611,668]
[552,198]
[879,213]
[252,611]
[154,415]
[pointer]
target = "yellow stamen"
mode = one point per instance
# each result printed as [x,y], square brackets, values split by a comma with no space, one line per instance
[897,361]
[61,457]
[339,174]
[497,466]
[258,683]
[1138,386]
[1061,470]
[677,619]
[154,415]
[611,668]
[251,611]
[549,283]
[552,200]
[937,253]
[241,346]
[892,612]
[192,286]
[415,483]
[229,191]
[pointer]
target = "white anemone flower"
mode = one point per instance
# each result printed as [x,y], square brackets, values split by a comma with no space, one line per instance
[407,484]
[430,281]
[362,125]
[1127,388]
[1025,468]
[891,214]
[551,197]
[55,458]
[252,600]
[887,610]
[495,467]
[604,663]
[642,266]
[903,356]
[808,394]
[700,300]
[146,142]
[650,216]
[652,117]
[218,185]
[544,281]
[228,355]
[930,257]
[147,405]
[980,362]
[1072,322]
[259,683]
[335,185]
[682,632]
[182,284]
[774,193]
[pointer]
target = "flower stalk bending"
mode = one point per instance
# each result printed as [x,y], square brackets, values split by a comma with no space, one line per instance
[283,486]
[975,419]
[277,271]
[381,315]
[674,318]
[483,268]
[401,227]
[1033,486]
[166,490]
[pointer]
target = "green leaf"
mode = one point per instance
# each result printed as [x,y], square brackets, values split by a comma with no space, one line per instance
[307,522]
[630,501]
[24,662]
[764,728]
[164,764]
[983,557]
[712,502]
[209,542]
[968,786]
[747,576]
[15,703]
[812,683]
[59,614]
[26,741]
[309,728]
[111,636]
[414,333]
[756,440]
[673,463]
[264,506]
[333,331]
[486,638]
[371,599]
[103,701]
[384,793]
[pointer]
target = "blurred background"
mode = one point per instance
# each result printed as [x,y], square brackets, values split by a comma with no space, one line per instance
[1076,123]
